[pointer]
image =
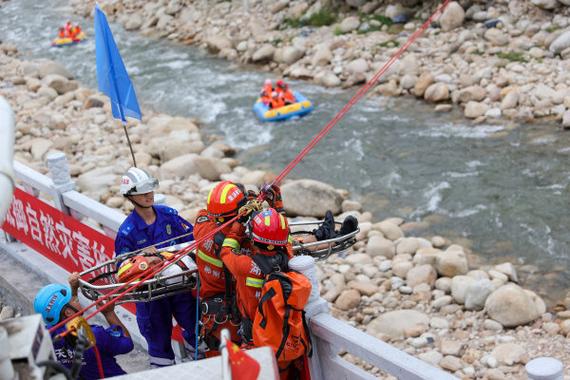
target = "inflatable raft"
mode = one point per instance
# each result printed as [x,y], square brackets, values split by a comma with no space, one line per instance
[301,108]
[66,41]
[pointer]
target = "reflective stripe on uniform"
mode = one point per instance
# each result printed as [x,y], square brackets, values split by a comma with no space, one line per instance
[160,362]
[225,192]
[210,259]
[254,282]
[229,242]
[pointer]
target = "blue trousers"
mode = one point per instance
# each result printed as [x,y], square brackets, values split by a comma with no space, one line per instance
[155,324]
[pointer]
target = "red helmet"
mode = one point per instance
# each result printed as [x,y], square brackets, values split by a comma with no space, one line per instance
[280,83]
[133,268]
[270,228]
[225,199]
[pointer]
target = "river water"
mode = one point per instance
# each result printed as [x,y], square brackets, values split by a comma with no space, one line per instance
[500,189]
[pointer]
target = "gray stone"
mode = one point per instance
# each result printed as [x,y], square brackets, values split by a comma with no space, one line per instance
[349,24]
[394,323]
[512,306]
[348,299]
[436,92]
[452,17]
[263,54]
[308,197]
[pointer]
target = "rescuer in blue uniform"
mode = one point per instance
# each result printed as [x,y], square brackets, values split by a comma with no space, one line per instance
[55,302]
[152,225]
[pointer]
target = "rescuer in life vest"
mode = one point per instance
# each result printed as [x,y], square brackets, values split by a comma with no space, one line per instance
[282,89]
[147,228]
[217,288]
[56,302]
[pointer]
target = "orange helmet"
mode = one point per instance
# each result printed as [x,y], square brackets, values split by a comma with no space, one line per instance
[133,268]
[225,199]
[270,228]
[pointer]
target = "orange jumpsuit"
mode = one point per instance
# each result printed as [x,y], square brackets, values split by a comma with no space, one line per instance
[249,281]
[287,95]
[212,283]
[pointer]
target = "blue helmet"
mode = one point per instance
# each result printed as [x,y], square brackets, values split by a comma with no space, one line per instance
[50,301]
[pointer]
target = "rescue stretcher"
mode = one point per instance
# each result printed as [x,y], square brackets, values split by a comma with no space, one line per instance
[100,280]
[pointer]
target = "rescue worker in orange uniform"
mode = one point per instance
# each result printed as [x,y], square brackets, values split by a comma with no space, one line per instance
[75,32]
[217,289]
[274,243]
[61,33]
[283,90]
[276,101]
[266,92]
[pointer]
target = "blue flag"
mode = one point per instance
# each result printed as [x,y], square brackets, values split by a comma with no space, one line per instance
[112,77]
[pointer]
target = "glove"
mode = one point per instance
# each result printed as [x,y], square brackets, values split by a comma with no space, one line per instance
[246,210]
[273,197]
[237,231]
[250,195]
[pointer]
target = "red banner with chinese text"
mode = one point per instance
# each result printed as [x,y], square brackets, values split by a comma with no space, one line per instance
[67,242]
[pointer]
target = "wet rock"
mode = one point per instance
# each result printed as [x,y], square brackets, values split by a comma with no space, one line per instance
[451,262]
[263,54]
[308,197]
[394,323]
[477,293]
[216,44]
[436,92]
[289,55]
[452,17]
[423,82]
[474,110]
[512,306]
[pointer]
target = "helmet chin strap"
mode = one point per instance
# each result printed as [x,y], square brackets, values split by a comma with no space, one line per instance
[136,203]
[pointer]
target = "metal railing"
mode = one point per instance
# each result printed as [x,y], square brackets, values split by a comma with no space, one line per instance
[6,156]
[330,337]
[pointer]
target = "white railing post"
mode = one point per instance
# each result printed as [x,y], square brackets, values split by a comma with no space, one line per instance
[6,368]
[545,369]
[6,157]
[59,170]
[226,370]
[316,305]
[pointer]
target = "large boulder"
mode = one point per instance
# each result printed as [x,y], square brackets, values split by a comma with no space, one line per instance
[477,293]
[379,246]
[307,197]
[323,55]
[358,66]
[451,262]
[471,93]
[545,4]
[349,24]
[511,306]
[179,167]
[497,37]
[215,44]
[263,54]
[96,182]
[394,324]
[60,83]
[211,168]
[289,55]
[133,22]
[560,43]
[452,17]
[40,147]
[423,82]
[475,109]
[49,68]
[348,299]
[327,79]
[437,92]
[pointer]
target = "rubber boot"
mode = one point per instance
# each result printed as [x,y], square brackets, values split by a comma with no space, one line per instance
[326,229]
[349,224]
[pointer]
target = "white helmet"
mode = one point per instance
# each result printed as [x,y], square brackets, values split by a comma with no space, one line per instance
[267,82]
[137,181]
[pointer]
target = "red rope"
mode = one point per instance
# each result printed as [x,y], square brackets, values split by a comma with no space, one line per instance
[361,92]
[99,362]
[324,131]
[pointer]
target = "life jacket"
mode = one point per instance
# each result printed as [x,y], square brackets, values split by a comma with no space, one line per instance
[136,267]
[280,319]
[276,102]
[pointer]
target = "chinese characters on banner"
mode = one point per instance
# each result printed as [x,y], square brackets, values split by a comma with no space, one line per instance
[67,242]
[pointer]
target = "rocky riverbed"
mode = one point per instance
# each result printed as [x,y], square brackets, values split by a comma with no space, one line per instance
[418,293]
[493,59]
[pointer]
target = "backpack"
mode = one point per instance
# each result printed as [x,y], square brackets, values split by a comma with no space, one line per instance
[280,320]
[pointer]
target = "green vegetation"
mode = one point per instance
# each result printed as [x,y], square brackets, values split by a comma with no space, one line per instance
[337,31]
[512,56]
[323,17]
[552,28]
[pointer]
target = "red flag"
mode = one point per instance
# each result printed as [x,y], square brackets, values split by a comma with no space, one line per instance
[243,366]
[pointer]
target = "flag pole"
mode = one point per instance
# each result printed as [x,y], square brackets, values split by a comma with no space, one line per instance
[130,145]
